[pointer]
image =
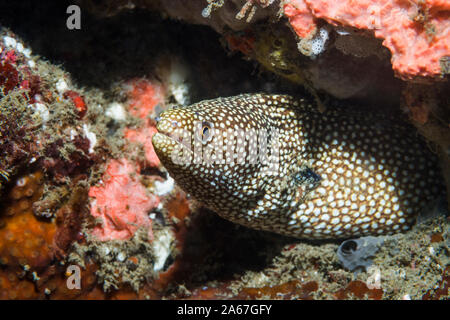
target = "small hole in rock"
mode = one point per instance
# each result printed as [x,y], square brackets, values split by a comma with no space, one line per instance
[349,246]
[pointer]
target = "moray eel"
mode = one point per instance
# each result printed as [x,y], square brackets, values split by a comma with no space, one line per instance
[275,163]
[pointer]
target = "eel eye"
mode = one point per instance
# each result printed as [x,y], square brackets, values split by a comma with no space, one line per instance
[206,132]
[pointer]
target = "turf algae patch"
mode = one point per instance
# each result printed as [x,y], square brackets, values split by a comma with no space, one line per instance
[120,262]
[411,264]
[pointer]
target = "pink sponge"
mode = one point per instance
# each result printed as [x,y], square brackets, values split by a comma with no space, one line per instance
[144,97]
[144,136]
[121,202]
[416,32]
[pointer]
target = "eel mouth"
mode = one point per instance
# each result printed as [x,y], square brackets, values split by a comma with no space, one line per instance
[164,138]
[168,129]
[170,132]
[171,151]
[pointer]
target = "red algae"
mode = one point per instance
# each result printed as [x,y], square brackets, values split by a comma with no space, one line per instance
[78,102]
[442,291]
[9,76]
[121,202]
[360,290]
[243,42]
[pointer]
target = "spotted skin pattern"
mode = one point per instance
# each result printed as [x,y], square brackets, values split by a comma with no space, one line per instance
[339,174]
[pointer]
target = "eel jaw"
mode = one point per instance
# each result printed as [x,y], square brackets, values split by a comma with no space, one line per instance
[168,148]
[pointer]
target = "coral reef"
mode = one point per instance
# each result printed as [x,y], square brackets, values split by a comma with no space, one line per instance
[82,189]
[120,262]
[416,33]
[347,50]
[33,108]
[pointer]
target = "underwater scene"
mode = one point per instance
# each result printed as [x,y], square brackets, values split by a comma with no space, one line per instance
[224,150]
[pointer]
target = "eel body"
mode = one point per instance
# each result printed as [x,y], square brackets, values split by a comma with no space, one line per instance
[275,163]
